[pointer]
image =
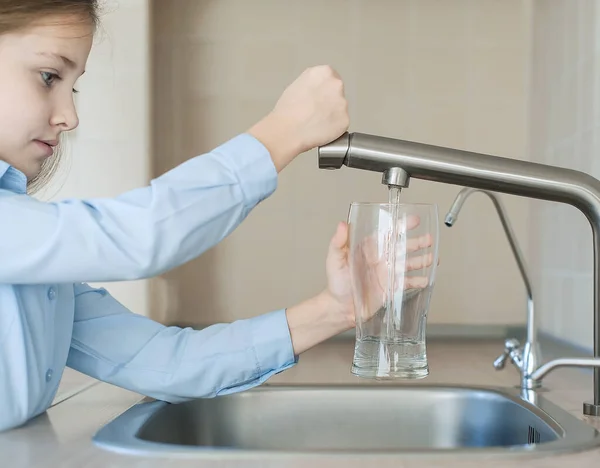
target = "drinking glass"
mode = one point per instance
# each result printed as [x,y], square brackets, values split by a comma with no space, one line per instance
[393,257]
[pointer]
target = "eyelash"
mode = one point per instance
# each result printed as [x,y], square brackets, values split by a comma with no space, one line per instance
[49,75]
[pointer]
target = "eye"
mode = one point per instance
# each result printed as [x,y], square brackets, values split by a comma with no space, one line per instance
[49,78]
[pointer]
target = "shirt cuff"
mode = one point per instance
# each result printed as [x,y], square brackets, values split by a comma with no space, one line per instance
[255,169]
[272,342]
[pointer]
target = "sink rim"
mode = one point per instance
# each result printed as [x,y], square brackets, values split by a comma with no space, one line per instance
[120,434]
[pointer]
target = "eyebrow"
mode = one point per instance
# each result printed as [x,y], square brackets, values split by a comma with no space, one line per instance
[67,61]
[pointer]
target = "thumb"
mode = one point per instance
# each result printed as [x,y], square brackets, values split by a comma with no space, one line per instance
[337,246]
[340,238]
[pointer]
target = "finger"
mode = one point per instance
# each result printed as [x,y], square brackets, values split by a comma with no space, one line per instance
[413,245]
[404,223]
[402,266]
[415,282]
[417,263]
[407,282]
[337,253]
[340,238]
[335,73]
[370,251]
[418,243]
[412,222]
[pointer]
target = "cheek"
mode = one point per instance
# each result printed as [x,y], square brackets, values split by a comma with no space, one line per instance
[21,109]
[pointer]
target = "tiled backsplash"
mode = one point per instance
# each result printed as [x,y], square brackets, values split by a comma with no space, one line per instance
[447,73]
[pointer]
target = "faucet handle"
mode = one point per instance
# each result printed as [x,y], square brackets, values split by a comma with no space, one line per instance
[510,346]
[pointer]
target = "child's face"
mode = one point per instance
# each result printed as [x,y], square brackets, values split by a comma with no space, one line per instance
[38,70]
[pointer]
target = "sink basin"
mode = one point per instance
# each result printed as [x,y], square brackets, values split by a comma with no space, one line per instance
[349,419]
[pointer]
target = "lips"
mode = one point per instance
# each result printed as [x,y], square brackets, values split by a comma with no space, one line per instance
[47,146]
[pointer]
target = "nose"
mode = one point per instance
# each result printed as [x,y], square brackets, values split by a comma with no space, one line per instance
[65,114]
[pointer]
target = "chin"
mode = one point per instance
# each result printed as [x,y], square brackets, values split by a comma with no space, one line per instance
[31,167]
[32,170]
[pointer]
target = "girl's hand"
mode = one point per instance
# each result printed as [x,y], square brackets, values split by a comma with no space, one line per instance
[332,311]
[339,284]
[371,272]
[312,111]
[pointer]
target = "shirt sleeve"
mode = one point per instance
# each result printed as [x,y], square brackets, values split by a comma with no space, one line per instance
[112,344]
[141,233]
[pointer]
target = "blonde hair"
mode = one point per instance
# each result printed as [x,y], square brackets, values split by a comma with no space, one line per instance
[49,169]
[15,15]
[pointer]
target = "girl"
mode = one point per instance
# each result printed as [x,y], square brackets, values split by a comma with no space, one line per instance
[50,317]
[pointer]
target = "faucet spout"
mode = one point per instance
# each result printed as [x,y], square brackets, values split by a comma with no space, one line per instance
[480,171]
[395,177]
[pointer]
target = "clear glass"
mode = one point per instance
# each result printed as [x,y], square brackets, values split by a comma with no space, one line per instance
[392,269]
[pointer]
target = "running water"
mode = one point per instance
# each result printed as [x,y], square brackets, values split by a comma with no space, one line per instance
[390,320]
[392,249]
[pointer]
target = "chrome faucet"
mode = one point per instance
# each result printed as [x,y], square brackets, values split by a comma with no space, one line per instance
[527,358]
[399,160]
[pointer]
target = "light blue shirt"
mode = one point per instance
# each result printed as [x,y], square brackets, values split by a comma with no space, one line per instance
[50,317]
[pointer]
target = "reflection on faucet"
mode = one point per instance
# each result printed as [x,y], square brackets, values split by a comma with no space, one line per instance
[526,359]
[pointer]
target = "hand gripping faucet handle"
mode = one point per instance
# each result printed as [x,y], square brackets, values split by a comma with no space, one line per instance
[510,346]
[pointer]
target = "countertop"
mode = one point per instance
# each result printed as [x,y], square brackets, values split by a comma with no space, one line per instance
[61,437]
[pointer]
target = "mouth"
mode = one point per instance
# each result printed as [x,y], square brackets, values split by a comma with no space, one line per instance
[47,146]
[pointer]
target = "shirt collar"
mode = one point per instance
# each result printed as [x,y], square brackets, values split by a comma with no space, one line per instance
[12,179]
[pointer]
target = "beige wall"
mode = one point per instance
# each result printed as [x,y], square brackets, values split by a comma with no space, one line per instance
[109,153]
[565,113]
[447,73]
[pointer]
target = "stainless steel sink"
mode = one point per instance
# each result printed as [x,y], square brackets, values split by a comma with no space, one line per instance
[349,419]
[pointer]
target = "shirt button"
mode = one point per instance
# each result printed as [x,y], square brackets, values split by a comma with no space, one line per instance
[51,294]
[49,375]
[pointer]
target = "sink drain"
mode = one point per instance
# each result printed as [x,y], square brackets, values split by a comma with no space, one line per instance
[533,437]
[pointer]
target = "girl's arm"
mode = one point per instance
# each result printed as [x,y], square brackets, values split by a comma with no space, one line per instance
[141,233]
[114,345]
[184,212]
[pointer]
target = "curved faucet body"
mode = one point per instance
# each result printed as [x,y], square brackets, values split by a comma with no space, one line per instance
[481,171]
